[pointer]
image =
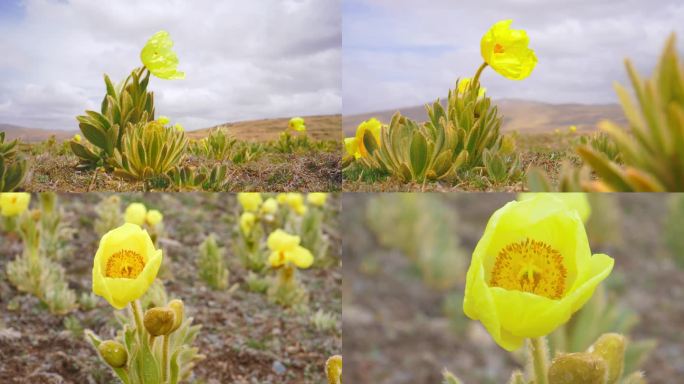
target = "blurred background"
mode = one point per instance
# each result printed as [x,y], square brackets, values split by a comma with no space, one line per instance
[404,277]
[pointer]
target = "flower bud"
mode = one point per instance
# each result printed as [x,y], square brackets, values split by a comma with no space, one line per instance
[113,353]
[178,309]
[333,369]
[573,368]
[159,321]
[611,348]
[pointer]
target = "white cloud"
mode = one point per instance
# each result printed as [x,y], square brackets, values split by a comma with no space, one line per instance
[243,59]
[407,52]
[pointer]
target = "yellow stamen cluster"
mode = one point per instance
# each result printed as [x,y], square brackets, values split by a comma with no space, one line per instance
[530,266]
[124,264]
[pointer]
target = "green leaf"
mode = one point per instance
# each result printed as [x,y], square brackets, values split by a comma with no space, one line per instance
[418,154]
[150,366]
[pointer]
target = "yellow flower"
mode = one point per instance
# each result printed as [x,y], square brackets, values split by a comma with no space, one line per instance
[531,270]
[297,124]
[281,198]
[506,51]
[163,120]
[296,202]
[285,248]
[178,127]
[463,86]
[125,265]
[270,206]
[247,220]
[374,126]
[351,145]
[159,58]
[573,129]
[14,203]
[250,201]
[136,213]
[317,198]
[77,138]
[154,217]
[573,200]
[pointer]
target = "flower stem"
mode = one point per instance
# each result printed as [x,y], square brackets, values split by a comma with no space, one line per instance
[165,358]
[135,308]
[538,351]
[476,79]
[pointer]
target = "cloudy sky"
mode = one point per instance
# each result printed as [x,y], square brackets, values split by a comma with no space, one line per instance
[243,59]
[407,52]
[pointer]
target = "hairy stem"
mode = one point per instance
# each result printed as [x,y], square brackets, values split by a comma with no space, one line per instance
[165,359]
[539,360]
[476,79]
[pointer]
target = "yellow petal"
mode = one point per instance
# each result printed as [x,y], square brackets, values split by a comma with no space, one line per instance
[301,257]
[14,203]
[280,240]
[159,57]
[250,201]
[506,51]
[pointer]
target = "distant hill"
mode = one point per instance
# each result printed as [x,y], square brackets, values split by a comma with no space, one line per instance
[27,134]
[319,127]
[519,115]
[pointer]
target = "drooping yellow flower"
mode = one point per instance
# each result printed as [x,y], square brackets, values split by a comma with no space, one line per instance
[374,126]
[285,249]
[14,203]
[351,145]
[247,221]
[125,265]
[297,124]
[163,120]
[270,206]
[317,198]
[77,138]
[154,217]
[250,201]
[573,200]
[159,57]
[136,213]
[507,52]
[463,86]
[572,128]
[531,270]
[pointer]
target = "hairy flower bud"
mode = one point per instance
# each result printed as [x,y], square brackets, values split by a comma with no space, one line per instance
[333,369]
[178,309]
[611,348]
[159,321]
[113,353]
[573,368]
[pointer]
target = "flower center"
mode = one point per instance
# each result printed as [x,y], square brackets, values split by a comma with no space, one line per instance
[125,264]
[530,266]
[498,48]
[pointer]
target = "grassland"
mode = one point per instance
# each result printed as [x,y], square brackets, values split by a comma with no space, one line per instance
[314,167]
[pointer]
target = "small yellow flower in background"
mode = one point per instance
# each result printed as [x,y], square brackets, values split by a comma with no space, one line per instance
[572,128]
[573,200]
[296,202]
[250,201]
[374,126]
[270,206]
[14,203]
[247,221]
[281,198]
[463,85]
[285,248]
[531,270]
[506,51]
[136,213]
[317,198]
[125,265]
[154,217]
[77,138]
[159,58]
[163,120]
[178,127]
[297,124]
